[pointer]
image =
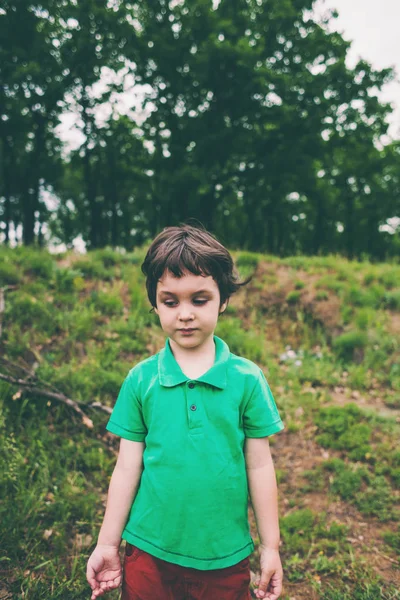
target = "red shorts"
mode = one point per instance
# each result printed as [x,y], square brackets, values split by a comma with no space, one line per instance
[149,578]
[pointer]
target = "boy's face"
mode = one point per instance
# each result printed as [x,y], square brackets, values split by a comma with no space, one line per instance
[188,308]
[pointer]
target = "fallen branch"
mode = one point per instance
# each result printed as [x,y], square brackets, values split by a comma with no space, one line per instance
[30,387]
[392,560]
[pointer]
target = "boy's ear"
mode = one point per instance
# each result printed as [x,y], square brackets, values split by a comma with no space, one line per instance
[223,307]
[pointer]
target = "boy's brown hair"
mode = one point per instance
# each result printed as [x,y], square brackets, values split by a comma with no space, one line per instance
[193,249]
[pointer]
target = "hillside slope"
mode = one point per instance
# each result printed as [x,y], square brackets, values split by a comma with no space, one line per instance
[326,332]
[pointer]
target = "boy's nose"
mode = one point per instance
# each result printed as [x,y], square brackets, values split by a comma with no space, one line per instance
[186,314]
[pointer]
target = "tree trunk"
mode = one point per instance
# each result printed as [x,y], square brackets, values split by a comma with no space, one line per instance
[349,224]
[112,193]
[31,197]
[6,161]
[319,224]
[89,179]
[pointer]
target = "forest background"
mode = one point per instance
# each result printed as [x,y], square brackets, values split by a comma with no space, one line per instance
[246,117]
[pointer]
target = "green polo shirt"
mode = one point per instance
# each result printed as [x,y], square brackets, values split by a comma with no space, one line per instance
[191,505]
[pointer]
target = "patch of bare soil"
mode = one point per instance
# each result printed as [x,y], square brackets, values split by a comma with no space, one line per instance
[394,322]
[69,260]
[342,396]
[273,296]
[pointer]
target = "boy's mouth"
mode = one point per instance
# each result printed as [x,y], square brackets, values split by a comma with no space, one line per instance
[187,330]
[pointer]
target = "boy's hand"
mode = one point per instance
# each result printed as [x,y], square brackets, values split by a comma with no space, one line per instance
[104,571]
[270,583]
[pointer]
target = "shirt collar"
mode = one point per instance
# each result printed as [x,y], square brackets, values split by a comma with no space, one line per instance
[170,373]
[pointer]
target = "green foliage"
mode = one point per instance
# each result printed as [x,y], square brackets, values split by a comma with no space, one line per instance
[340,428]
[299,285]
[346,483]
[392,538]
[51,474]
[392,300]
[27,311]
[389,277]
[364,589]
[369,492]
[363,318]
[297,530]
[109,257]
[65,279]
[9,273]
[247,260]
[37,263]
[322,295]
[106,303]
[293,297]
[369,277]
[345,344]
[241,342]
[329,283]
[376,500]
[92,269]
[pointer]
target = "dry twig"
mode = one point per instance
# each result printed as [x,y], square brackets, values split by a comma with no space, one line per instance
[31,388]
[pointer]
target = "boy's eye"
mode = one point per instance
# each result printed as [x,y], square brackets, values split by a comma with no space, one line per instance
[197,301]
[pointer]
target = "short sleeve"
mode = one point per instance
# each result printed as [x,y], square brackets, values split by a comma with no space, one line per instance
[127,417]
[261,417]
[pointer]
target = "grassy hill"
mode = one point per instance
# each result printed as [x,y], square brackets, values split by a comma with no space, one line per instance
[326,332]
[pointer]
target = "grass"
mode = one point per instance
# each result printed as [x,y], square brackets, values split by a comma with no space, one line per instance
[315,325]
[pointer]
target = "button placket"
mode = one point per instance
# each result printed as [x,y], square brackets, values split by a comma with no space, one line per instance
[192,400]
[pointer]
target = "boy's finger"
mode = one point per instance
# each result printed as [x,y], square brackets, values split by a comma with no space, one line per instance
[276,589]
[263,585]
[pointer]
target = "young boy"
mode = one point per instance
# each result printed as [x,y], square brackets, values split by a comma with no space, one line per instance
[194,421]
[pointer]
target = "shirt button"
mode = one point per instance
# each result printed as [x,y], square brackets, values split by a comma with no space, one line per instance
[191,385]
[193,407]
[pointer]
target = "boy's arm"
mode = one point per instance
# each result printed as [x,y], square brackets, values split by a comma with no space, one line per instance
[104,567]
[264,497]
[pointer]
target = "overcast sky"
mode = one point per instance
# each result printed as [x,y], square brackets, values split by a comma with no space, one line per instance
[373,26]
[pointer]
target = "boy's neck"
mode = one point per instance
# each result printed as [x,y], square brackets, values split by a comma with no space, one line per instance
[194,362]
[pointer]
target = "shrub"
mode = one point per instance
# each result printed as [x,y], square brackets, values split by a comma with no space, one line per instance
[364,317]
[389,278]
[299,285]
[376,500]
[64,279]
[37,263]
[107,303]
[91,269]
[330,284]
[108,256]
[293,297]
[375,296]
[345,344]
[322,295]
[297,530]
[9,273]
[340,428]
[247,260]
[392,300]
[346,483]
[27,311]
[369,278]
[79,323]
[392,538]
[241,342]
